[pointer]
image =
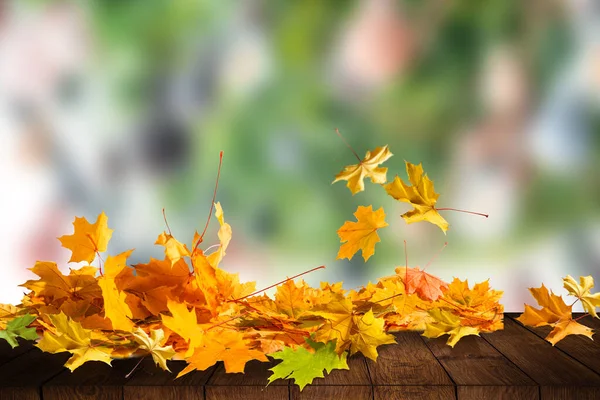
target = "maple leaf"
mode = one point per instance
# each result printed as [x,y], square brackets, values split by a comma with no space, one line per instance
[553,309]
[582,292]
[362,234]
[303,366]
[18,328]
[184,323]
[368,333]
[224,235]
[72,337]
[87,239]
[554,312]
[153,344]
[290,298]
[426,286]
[174,249]
[420,195]
[338,315]
[228,346]
[115,306]
[367,168]
[446,323]
[7,313]
[80,284]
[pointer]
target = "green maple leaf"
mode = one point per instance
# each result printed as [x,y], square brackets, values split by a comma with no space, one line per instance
[18,328]
[303,366]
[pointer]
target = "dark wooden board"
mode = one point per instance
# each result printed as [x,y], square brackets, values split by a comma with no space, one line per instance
[150,382]
[409,370]
[581,348]
[480,371]
[7,353]
[556,372]
[22,377]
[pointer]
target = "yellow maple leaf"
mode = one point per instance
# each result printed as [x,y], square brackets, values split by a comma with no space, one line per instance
[446,323]
[80,284]
[87,239]
[421,195]
[153,344]
[115,306]
[174,249]
[367,333]
[226,345]
[367,168]
[338,324]
[362,234]
[224,235]
[184,323]
[72,337]
[554,312]
[582,292]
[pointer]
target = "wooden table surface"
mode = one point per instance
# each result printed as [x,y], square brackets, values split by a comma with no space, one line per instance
[515,363]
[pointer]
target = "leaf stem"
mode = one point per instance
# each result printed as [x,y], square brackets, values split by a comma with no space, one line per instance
[212,204]
[166,223]
[348,145]
[134,368]
[279,283]
[463,211]
[435,256]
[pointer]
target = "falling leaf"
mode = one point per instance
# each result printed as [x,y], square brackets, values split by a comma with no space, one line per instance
[303,366]
[88,239]
[367,168]
[153,344]
[18,328]
[420,195]
[72,337]
[362,234]
[446,323]
[582,292]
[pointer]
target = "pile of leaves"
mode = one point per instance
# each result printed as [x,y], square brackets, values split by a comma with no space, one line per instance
[186,307]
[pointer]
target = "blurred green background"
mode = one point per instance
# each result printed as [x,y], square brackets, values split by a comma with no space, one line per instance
[123,106]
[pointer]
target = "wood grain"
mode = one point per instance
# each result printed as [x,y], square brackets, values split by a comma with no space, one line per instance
[481,371]
[410,369]
[556,372]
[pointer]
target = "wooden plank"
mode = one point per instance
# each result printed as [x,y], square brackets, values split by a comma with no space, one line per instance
[480,371]
[7,353]
[354,383]
[93,380]
[579,347]
[408,370]
[149,382]
[250,385]
[557,373]
[22,377]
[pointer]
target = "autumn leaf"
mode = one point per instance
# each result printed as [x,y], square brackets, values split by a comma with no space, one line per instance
[582,292]
[554,312]
[367,168]
[420,194]
[115,306]
[367,334]
[303,366]
[224,235]
[8,312]
[80,284]
[88,239]
[72,337]
[446,323]
[226,345]
[184,323]
[174,250]
[362,234]
[153,344]
[426,286]
[18,328]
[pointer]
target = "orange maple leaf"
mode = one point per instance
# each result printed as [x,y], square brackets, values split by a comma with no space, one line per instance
[426,286]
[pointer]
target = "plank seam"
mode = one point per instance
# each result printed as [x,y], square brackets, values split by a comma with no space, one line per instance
[442,366]
[539,386]
[206,383]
